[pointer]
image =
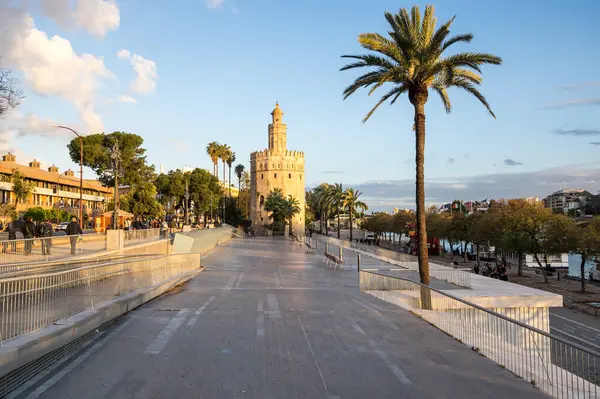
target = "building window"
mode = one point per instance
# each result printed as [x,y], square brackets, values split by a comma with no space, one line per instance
[261,219]
[290,175]
[262,176]
[262,200]
[276,175]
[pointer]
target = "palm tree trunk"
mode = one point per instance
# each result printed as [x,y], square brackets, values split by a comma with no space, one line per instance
[420,192]
[582,272]
[229,181]
[239,192]
[339,229]
[351,211]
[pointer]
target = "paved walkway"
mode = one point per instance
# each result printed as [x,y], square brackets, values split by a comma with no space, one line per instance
[267,320]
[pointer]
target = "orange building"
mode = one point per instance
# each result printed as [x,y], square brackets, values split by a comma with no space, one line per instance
[52,189]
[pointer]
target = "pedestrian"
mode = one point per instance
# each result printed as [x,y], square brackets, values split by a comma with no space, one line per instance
[74,230]
[12,236]
[45,232]
[163,229]
[28,231]
[476,269]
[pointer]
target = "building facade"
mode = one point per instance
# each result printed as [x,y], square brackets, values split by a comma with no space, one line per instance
[52,189]
[276,167]
[567,199]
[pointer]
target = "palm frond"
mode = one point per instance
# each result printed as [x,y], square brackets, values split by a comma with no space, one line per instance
[472,60]
[443,93]
[435,44]
[429,22]
[466,37]
[369,60]
[376,42]
[365,80]
[394,91]
[464,84]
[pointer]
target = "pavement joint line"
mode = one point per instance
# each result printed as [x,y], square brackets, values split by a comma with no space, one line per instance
[161,340]
[575,322]
[393,367]
[197,313]
[260,321]
[75,363]
[239,280]
[595,346]
[273,306]
[381,317]
[313,355]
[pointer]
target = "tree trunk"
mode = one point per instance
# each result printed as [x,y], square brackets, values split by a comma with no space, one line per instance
[478,261]
[539,262]
[451,249]
[351,211]
[465,253]
[582,272]
[239,192]
[520,264]
[320,224]
[339,228]
[420,190]
[229,185]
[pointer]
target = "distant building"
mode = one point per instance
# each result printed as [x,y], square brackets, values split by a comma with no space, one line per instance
[51,188]
[276,167]
[567,199]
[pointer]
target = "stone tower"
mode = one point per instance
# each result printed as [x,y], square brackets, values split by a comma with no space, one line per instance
[276,167]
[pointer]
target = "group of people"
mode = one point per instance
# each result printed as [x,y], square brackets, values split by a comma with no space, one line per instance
[498,271]
[44,230]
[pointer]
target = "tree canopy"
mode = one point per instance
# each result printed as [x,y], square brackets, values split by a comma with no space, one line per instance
[97,150]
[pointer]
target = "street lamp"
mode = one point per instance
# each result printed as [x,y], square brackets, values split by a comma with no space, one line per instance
[187,198]
[80,172]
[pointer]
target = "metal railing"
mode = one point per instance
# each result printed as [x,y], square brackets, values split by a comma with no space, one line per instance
[30,302]
[135,236]
[459,277]
[14,252]
[556,366]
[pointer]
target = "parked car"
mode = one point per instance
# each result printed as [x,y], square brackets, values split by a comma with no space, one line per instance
[62,226]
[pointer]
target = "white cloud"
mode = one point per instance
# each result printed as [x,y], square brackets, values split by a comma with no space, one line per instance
[214,3]
[96,16]
[236,11]
[126,99]
[50,65]
[145,80]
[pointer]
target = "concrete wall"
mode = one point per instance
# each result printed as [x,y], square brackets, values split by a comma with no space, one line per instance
[199,241]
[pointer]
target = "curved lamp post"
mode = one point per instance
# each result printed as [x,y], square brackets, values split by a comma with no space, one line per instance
[80,172]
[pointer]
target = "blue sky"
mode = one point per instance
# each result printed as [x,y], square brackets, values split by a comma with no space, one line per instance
[221,65]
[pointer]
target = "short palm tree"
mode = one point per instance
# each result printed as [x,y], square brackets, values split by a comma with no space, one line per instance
[322,204]
[230,160]
[212,149]
[351,203]
[411,61]
[292,208]
[239,170]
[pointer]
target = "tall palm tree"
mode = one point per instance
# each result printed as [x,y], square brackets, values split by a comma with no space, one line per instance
[411,61]
[230,160]
[335,197]
[322,204]
[246,185]
[351,203]
[239,170]
[212,149]
[224,154]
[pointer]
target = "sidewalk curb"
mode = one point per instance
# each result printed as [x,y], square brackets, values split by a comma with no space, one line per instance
[29,347]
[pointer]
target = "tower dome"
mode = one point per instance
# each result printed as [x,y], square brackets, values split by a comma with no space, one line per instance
[277,113]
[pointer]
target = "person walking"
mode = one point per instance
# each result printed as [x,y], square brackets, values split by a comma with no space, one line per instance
[45,232]
[74,230]
[28,231]
[163,229]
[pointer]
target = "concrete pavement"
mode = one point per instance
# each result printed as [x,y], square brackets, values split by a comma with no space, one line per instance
[267,320]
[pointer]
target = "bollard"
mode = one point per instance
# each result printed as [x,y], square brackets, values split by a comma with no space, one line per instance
[326,247]
[316,244]
[341,254]
[358,261]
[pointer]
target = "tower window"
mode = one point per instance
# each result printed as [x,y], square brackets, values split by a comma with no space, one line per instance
[262,200]
[276,175]
[290,175]
[262,176]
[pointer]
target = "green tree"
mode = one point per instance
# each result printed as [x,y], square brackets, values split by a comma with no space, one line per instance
[97,150]
[170,189]
[276,204]
[411,61]
[321,205]
[204,188]
[212,149]
[22,188]
[552,238]
[141,201]
[8,211]
[586,243]
[36,213]
[351,203]
[292,208]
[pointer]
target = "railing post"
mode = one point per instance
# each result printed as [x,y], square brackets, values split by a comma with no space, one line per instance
[341,254]
[316,244]
[326,247]
[358,261]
